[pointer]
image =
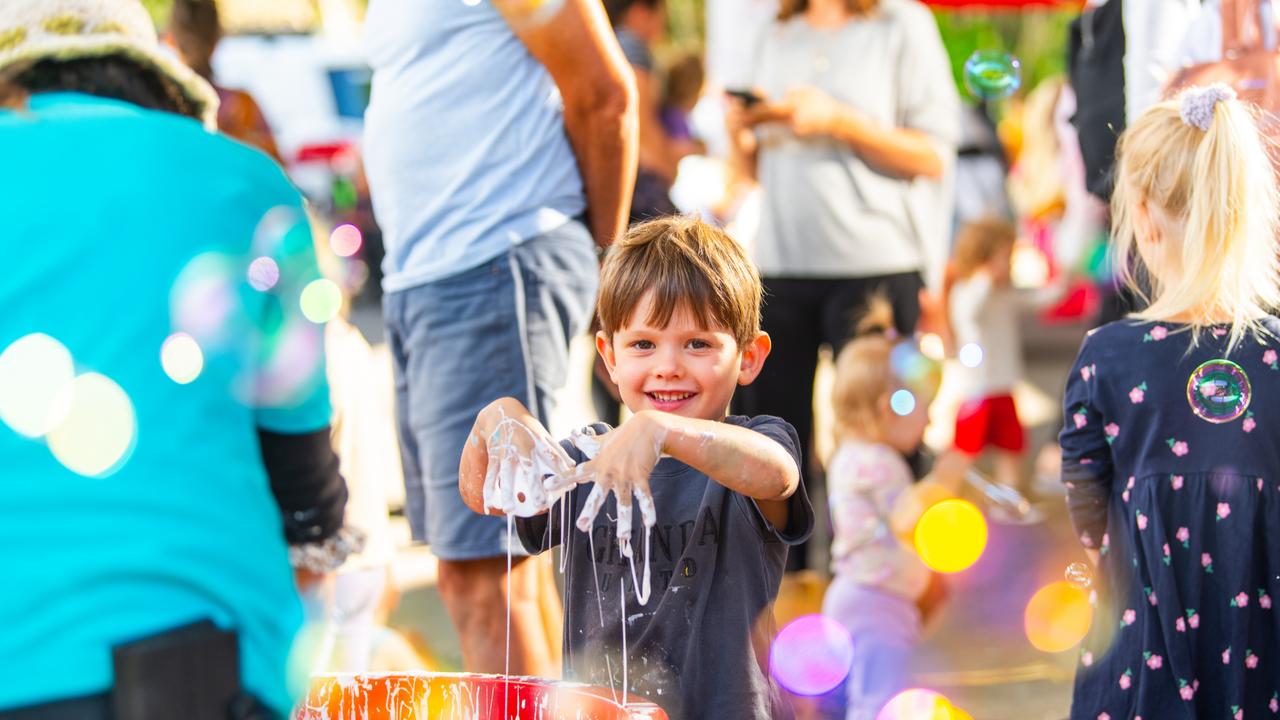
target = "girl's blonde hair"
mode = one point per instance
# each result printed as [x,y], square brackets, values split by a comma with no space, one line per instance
[978,241]
[1219,186]
[865,373]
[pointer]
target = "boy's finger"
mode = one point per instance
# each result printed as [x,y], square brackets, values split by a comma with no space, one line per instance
[591,507]
[648,513]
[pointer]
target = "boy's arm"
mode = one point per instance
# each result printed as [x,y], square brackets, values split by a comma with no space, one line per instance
[474,465]
[739,458]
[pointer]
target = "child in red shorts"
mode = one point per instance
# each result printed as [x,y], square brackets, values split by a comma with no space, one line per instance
[982,308]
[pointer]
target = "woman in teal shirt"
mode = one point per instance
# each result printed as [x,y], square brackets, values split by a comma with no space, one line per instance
[154,303]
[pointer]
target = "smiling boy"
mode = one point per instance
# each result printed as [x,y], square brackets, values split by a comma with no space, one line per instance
[679,308]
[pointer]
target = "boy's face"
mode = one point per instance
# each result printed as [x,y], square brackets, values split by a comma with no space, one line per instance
[681,369]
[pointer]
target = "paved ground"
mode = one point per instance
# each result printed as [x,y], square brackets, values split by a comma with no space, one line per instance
[975,652]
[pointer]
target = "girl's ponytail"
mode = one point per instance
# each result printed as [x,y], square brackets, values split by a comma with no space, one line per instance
[1201,163]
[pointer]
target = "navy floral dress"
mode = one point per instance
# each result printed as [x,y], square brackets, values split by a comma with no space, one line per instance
[1171,457]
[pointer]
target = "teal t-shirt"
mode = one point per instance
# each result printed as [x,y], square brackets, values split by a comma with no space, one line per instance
[175,269]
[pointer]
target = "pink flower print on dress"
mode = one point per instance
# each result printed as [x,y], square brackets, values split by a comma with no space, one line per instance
[1086,372]
[1126,679]
[1224,509]
[1180,625]
[1226,656]
[1248,424]
[1250,660]
[1275,703]
[1086,658]
[1193,619]
[1155,662]
[1185,691]
[1157,333]
[1129,485]
[1240,600]
[1165,550]
[1152,599]
[1081,418]
[1184,536]
[1138,394]
[1264,600]
[1086,539]
[1112,430]
[1142,521]
[1206,562]
[1239,713]
[1179,447]
[1104,716]
[1128,618]
[1175,481]
[1269,358]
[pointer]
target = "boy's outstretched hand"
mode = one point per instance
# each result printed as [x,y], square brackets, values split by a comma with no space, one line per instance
[512,452]
[625,458]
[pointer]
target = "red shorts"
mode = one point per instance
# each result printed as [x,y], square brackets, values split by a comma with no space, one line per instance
[989,422]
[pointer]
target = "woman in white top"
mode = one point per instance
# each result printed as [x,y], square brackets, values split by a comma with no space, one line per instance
[856,128]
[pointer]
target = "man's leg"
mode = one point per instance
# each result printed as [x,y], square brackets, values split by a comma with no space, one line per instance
[475,594]
[458,350]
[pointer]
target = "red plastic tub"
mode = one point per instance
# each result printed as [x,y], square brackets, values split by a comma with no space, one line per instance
[464,696]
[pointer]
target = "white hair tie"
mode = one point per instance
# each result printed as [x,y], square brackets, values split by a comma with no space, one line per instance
[1198,103]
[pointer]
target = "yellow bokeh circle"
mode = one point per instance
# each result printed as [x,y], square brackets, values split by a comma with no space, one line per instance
[34,372]
[181,358]
[99,430]
[321,300]
[951,536]
[1057,617]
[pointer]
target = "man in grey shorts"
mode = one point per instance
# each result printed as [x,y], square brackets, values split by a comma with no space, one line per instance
[489,193]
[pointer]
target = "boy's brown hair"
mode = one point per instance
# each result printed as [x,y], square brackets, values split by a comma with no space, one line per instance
[690,266]
[978,241]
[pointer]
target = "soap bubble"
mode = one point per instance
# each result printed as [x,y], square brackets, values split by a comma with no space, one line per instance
[921,704]
[992,74]
[345,240]
[98,434]
[33,372]
[181,358]
[1079,575]
[321,300]
[971,355]
[811,655]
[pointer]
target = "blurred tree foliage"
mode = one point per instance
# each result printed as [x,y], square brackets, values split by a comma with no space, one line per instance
[1038,38]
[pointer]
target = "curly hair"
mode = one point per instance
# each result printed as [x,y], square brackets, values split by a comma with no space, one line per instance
[110,76]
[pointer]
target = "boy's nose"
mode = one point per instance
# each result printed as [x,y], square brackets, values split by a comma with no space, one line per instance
[667,364]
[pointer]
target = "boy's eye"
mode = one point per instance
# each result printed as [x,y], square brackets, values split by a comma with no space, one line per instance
[642,345]
[699,344]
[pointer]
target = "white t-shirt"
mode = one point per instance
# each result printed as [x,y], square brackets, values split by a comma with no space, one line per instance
[987,315]
[827,212]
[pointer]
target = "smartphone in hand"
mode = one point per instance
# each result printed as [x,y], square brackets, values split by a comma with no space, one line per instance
[748,97]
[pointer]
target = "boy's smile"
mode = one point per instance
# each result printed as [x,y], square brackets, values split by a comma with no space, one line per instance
[683,368]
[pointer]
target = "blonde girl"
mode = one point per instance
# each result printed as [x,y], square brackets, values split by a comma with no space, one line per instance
[1171,448]
[881,398]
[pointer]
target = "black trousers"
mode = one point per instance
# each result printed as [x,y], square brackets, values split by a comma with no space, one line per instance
[801,315]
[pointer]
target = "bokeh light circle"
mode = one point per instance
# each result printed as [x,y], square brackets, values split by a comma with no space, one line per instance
[1079,575]
[921,704]
[34,371]
[951,535]
[992,74]
[98,433]
[264,273]
[811,655]
[181,358]
[971,355]
[345,240]
[902,402]
[932,346]
[1058,617]
[321,300]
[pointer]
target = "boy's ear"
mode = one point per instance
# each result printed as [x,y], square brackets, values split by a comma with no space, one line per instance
[753,356]
[605,348]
